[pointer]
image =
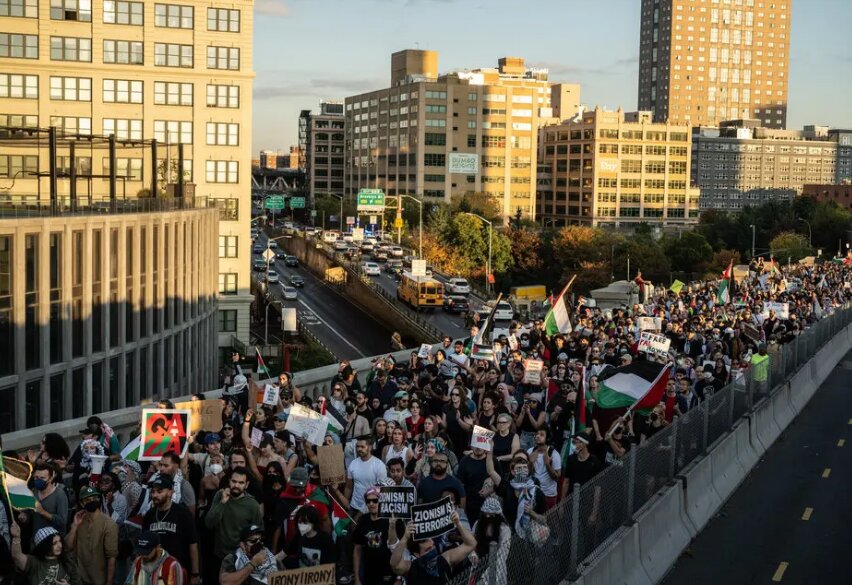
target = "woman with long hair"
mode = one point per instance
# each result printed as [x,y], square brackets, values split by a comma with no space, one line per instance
[487,414]
[48,563]
[397,449]
[458,420]
[415,422]
[379,434]
[273,484]
[491,528]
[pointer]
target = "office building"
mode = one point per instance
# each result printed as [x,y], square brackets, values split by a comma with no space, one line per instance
[178,73]
[439,136]
[839,194]
[321,141]
[741,163]
[705,61]
[615,169]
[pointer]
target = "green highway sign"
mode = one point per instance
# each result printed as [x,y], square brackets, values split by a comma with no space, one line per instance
[371,200]
[297,202]
[274,203]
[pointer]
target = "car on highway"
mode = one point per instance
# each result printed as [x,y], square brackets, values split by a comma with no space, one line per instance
[380,255]
[341,245]
[372,269]
[456,304]
[296,280]
[259,266]
[352,253]
[291,261]
[272,277]
[254,234]
[280,254]
[394,266]
[457,286]
[504,312]
[367,246]
[290,293]
[273,245]
[396,251]
[288,225]
[330,236]
[257,249]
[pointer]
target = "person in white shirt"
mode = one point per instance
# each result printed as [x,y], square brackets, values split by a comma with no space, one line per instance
[399,411]
[363,473]
[546,465]
[458,356]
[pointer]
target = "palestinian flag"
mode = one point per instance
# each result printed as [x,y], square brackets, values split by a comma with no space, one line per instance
[676,287]
[558,319]
[131,450]
[637,386]
[261,366]
[14,475]
[482,352]
[341,521]
[484,333]
[724,293]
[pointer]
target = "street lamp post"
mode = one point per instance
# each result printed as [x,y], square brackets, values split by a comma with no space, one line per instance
[488,266]
[752,241]
[810,244]
[420,244]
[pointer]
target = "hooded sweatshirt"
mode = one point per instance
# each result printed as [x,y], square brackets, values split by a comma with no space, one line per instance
[226,520]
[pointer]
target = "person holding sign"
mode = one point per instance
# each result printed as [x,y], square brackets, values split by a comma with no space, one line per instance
[428,565]
[371,557]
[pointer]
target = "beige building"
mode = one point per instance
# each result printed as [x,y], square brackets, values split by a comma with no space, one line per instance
[741,163]
[438,136]
[321,139]
[705,61]
[179,73]
[615,169]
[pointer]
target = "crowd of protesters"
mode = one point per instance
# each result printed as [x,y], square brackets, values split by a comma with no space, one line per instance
[230,512]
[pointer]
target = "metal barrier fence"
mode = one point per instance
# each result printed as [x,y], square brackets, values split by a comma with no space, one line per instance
[595,512]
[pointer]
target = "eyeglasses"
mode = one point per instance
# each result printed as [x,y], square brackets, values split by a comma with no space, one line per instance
[254,541]
[372,502]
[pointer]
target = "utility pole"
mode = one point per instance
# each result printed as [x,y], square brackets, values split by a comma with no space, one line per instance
[752,241]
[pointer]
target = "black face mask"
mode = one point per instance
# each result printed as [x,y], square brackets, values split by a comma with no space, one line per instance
[350,408]
[255,548]
[92,506]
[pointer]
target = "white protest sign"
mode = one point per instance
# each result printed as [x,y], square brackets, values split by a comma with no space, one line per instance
[270,395]
[256,437]
[306,424]
[653,343]
[782,310]
[482,438]
[425,348]
[649,323]
[532,371]
[513,342]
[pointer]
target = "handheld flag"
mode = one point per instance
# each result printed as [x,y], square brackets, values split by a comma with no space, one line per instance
[676,287]
[15,474]
[724,294]
[637,386]
[558,320]
[484,333]
[261,365]
[341,521]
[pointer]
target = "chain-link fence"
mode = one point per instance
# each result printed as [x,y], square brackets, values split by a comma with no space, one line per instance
[596,511]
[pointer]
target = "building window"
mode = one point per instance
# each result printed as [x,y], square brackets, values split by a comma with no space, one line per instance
[122,91]
[222,171]
[72,125]
[433,139]
[178,132]
[431,159]
[228,246]
[129,168]
[16,166]
[80,10]
[18,86]
[73,89]
[222,134]
[19,46]
[70,49]
[227,283]
[227,321]
[171,55]
[223,58]
[223,96]
[124,52]
[83,164]
[436,95]
[19,8]
[18,121]
[170,93]
[173,16]
[124,13]
[223,20]
[229,208]
[123,129]
[7,323]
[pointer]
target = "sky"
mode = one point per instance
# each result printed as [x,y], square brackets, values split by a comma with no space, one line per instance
[307,50]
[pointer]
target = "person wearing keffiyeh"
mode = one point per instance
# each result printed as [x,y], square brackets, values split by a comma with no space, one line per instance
[251,562]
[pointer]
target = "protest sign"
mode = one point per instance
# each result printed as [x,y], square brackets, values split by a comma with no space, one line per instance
[482,438]
[425,348]
[306,424]
[653,343]
[676,287]
[270,395]
[164,430]
[206,414]
[649,323]
[332,470]
[318,575]
[782,310]
[256,437]
[513,342]
[396,501]
[532,371]
[433,519]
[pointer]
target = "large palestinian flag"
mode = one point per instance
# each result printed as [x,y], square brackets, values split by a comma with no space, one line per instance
[638,386]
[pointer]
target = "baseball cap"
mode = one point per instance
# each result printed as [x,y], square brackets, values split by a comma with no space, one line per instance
[281,415]
[88,492]
[163,482]
[299,477]
[248,531]
[401,394]
[146,542]
[212,438]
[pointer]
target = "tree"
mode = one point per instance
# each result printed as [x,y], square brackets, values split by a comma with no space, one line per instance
[479,203]
[720,262]
[688,252]
[790,245]
[829,224]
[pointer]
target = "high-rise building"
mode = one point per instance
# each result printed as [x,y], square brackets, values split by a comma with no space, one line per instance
[615,169]
[321,140]
[741,163]
[436,136]
[179,73]
[705,61]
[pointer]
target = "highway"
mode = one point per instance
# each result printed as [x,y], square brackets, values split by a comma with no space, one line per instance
[789,522]
[342,326]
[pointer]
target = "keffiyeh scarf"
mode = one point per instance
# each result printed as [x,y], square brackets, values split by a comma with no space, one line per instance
[526,495]
[263,570]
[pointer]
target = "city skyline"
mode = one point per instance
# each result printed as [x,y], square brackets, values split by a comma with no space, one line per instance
[605,65]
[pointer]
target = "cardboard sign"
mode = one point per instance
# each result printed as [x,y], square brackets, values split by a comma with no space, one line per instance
[396,501]
[206,414]
[164,430]
[653,343]
[513,342]
[433,519]
[782,310]
[270,395]
[318,575]
[332,470]
[532,371]
[425,348]
[306,424]
[482,438]
[256,437]
[649,323]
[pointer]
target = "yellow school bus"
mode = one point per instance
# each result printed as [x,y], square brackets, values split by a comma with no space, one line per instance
[420,292]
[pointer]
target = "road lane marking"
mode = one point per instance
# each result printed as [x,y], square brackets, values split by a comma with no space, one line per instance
[332,329]
[826,473]
[779,572]
[807,515]
[841,442]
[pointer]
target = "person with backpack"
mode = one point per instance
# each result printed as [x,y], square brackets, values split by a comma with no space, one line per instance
[153,565]
[546,466]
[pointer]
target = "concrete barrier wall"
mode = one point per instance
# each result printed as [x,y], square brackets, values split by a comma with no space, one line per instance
[643,553]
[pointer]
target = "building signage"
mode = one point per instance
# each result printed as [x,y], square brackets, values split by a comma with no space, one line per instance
[461,163]
[608,165]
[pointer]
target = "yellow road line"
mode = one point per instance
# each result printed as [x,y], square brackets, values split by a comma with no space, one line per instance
[826,473]
[841,442]
[779,572]
[807,515]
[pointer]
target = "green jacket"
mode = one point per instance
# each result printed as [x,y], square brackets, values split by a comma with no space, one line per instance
[228,519]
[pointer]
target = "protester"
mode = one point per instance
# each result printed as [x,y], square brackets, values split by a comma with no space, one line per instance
[232,510]
[94,540]
[371,556]
[428,565]
[364,472]
[174,526]
[153,565]
[48,563]
[250,562]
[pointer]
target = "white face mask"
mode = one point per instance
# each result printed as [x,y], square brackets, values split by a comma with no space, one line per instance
[305,528]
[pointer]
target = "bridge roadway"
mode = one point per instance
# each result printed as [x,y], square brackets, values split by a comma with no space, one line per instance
[789,522]
[343,327]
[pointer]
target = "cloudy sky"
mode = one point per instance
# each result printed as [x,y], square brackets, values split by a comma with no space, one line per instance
[307,50]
